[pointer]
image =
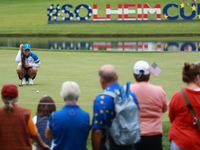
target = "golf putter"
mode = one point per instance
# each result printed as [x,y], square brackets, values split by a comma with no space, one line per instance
[22,65]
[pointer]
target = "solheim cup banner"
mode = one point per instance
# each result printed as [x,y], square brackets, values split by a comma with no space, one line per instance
[121,12]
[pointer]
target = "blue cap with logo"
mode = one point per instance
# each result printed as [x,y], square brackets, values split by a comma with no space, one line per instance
[27,46]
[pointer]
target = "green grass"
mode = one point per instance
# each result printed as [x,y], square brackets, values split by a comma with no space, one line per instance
[106,39]
[30,17]
[82,67]
[165,139]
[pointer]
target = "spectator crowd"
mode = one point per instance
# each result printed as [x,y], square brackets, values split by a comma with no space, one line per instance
[69,127]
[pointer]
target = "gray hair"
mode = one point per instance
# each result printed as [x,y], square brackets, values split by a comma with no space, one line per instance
[70,91]
[9,104]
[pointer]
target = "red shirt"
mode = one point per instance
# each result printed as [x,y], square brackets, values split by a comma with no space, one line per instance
[182,130]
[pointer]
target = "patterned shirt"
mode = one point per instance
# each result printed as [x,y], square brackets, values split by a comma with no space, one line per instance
[103,108]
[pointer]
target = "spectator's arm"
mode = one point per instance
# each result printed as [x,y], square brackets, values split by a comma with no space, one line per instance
[48,134]
[41,144]
[96,138]
[165,105]
[171,113]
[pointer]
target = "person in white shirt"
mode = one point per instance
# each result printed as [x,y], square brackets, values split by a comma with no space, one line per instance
[30,64]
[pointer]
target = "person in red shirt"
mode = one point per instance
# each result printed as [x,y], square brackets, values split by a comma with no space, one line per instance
[183,134]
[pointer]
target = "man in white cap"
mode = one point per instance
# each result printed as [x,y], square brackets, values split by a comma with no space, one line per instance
[153,103]
[30,64]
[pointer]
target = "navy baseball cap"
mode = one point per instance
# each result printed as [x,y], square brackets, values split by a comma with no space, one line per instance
[27,46]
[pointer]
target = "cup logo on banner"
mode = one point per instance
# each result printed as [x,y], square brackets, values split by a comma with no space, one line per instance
[124,12]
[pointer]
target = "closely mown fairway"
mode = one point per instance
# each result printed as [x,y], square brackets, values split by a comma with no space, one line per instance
[25,17]
[30,17]
[82,67]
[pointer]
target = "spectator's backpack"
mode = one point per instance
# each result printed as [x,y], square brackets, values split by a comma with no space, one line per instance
[125,128]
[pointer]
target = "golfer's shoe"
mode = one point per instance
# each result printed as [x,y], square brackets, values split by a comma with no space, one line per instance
[23,81]
[30,81]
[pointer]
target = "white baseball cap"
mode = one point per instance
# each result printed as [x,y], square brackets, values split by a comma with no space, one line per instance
[141,65]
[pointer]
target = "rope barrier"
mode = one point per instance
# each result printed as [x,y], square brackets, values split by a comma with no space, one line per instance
[35,103]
